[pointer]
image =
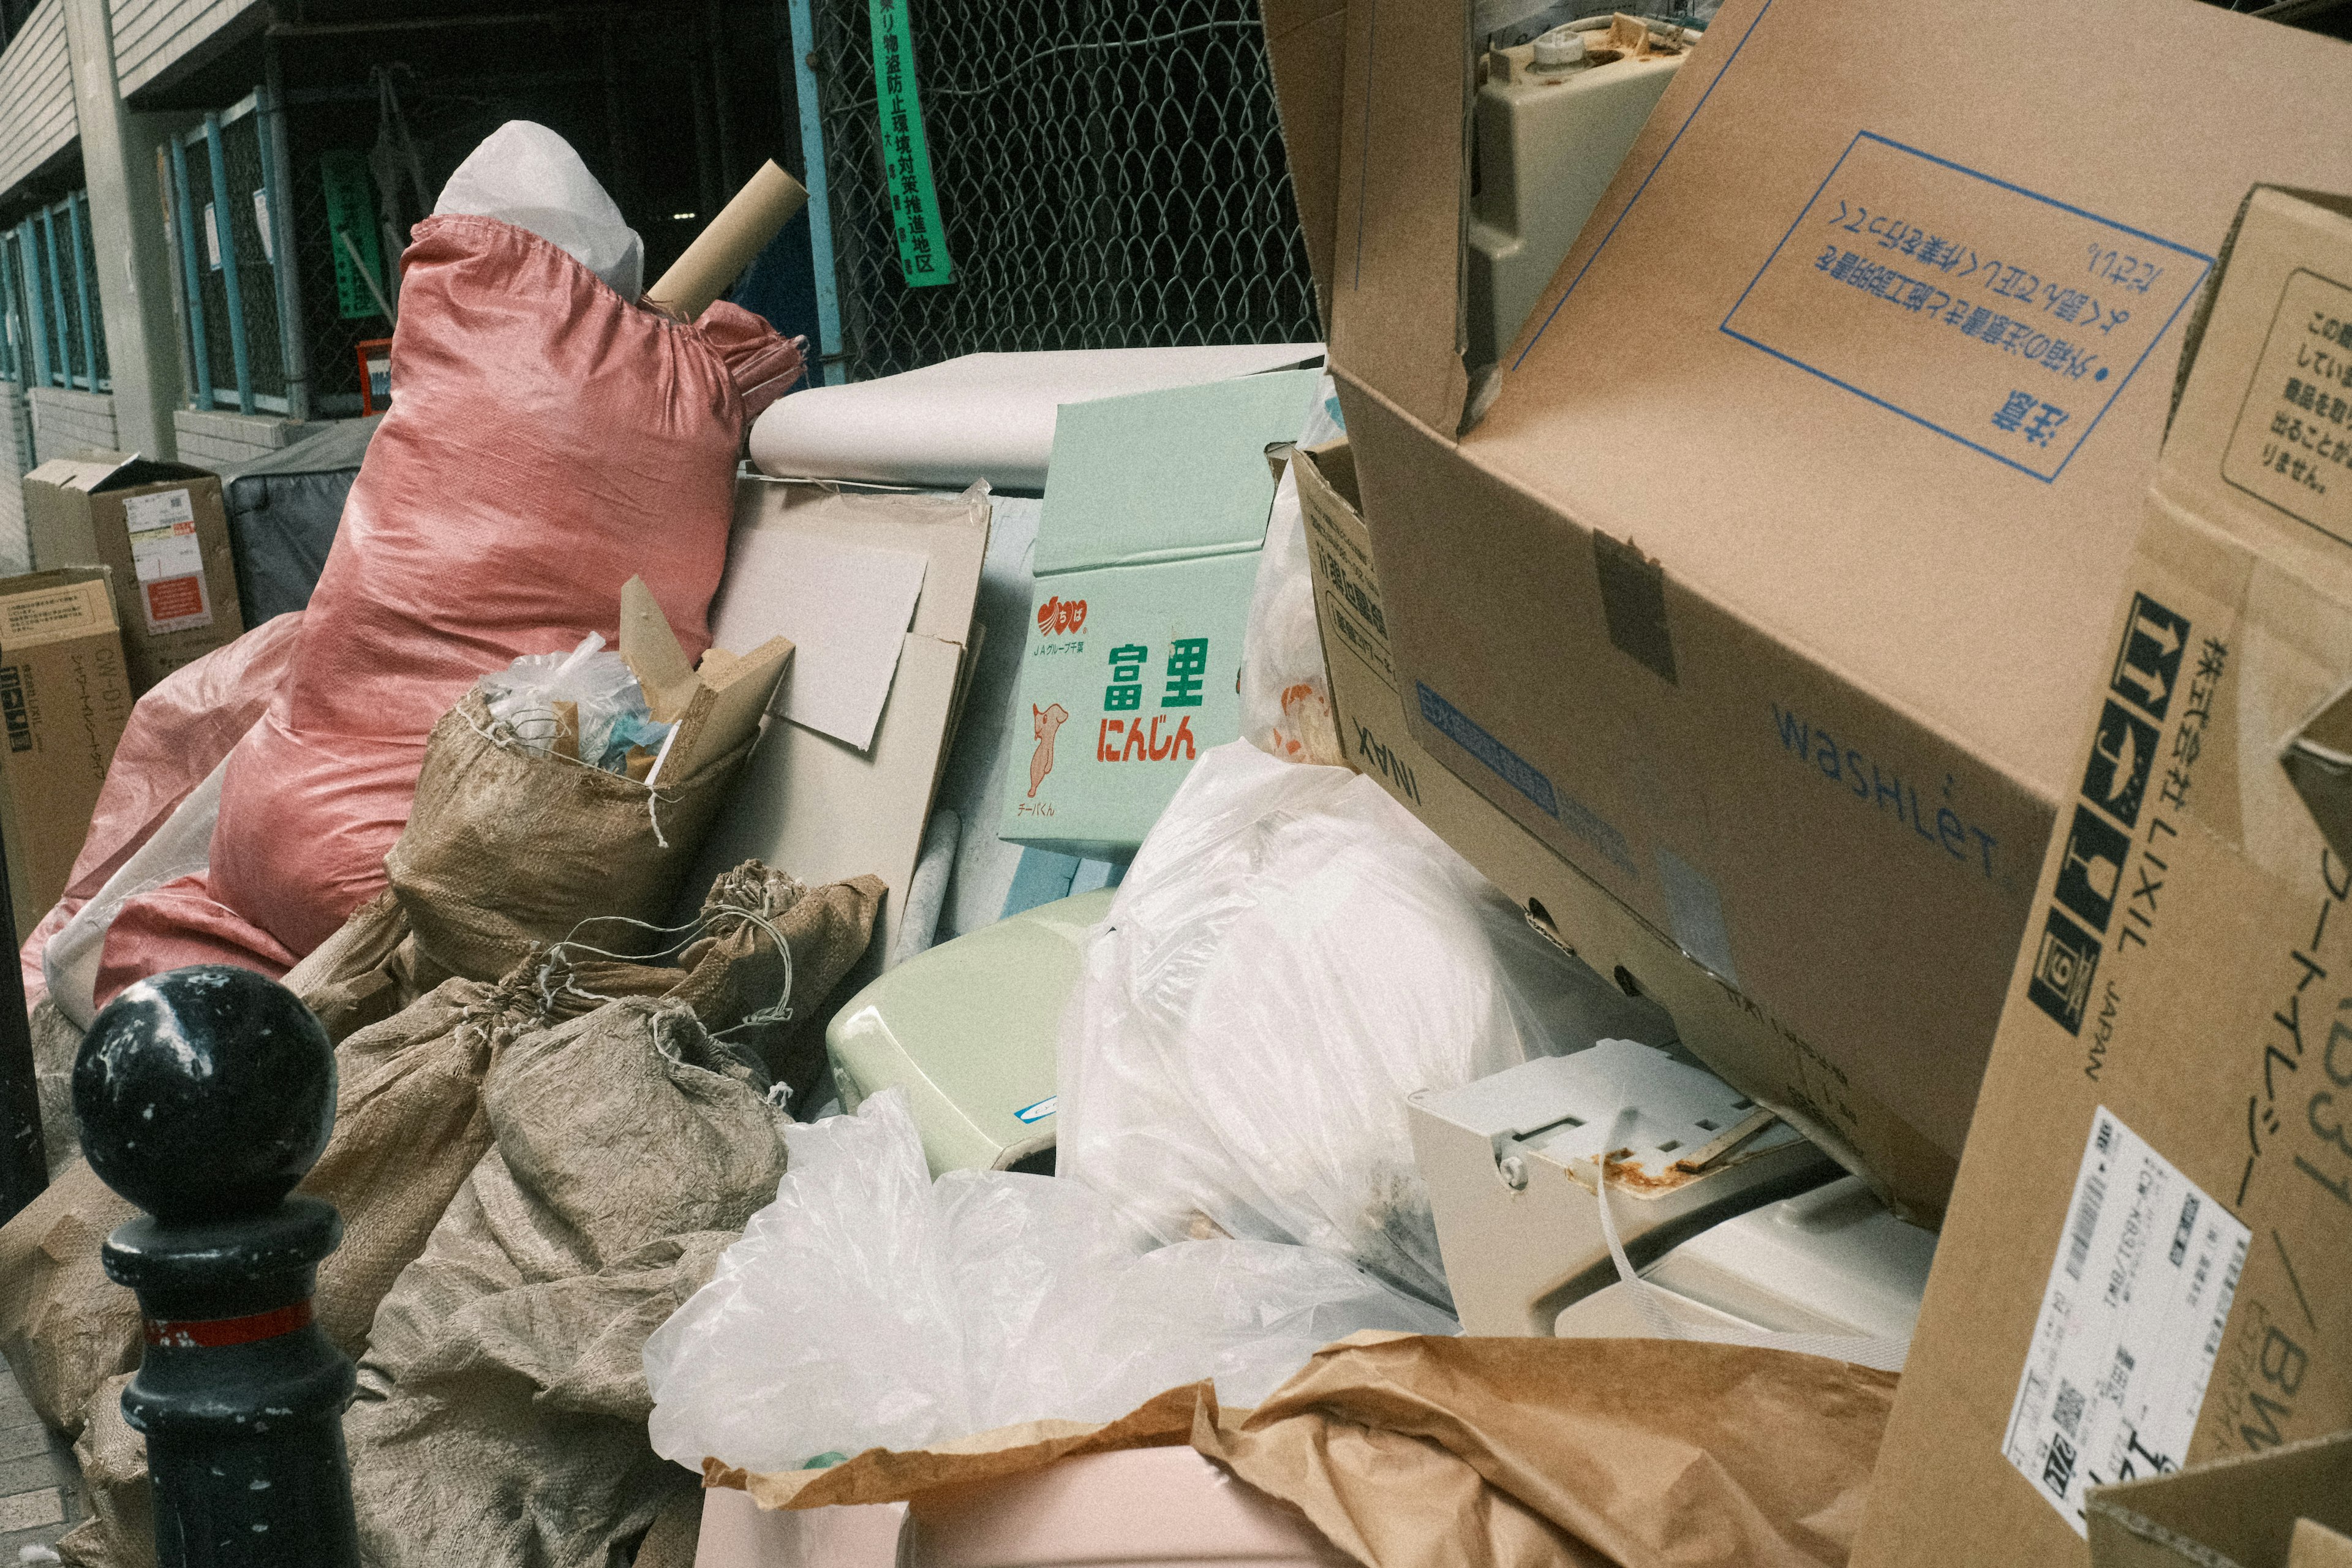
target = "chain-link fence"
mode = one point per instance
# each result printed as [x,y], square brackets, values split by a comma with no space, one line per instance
[1108,175]
[257,279]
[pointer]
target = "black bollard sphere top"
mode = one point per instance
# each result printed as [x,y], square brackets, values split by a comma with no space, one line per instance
[204,1093]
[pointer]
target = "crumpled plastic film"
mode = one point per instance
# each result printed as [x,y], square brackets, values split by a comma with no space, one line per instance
[869,1306]
[1291,957]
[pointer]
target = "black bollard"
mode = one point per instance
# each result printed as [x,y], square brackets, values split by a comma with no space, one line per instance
[203,1096]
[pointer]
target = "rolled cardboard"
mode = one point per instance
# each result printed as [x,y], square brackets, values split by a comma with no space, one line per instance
[720,252]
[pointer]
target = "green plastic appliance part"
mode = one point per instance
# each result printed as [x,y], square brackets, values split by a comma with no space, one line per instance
[967,1030]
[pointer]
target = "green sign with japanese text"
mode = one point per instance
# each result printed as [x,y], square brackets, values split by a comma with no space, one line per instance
[906,159]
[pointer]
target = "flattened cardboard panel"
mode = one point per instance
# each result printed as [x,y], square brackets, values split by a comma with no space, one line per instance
[1305,40]
[1397,290]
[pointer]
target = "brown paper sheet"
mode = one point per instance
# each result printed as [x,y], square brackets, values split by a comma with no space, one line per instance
[1413,1452]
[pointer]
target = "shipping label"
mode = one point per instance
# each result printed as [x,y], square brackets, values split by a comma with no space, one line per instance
[1995,315]
[169,560]
[2131,1321]
[2292,445]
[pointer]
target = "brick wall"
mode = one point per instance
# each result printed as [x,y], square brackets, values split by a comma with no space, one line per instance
[66,422]
[15,550]
[212,440]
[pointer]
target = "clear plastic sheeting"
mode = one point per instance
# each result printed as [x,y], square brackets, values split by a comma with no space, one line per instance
[1285,686]
[527,175]
[585,705]
[1290,957]
[870,1307]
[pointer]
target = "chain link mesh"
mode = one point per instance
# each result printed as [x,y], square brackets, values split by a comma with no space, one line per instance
[256,281]
[1109,176]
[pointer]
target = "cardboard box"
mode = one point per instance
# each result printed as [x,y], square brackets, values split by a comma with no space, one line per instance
[810,804]
[1155,514]
[2148,1261]
[159,527]
[64,698]
[1760,590]
[2284,1509]
[1754,1052]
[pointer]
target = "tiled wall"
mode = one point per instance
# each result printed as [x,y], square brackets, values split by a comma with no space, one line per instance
[220,441]
[66,422]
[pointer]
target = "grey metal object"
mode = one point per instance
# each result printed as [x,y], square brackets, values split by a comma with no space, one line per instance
[283,510]
[278,184]
[1106,176]
[24,1158]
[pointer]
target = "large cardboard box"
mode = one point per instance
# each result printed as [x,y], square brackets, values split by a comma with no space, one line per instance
[1759,583]
[161,529]
[2284,1507]
[64,699]
[1148,546]
[1585,919]
[2148,1261]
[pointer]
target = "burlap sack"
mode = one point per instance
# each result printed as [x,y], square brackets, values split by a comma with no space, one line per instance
[121,1530]
[55,1041]
[505,850]
[502,1403]
[408,1126]
[412,1131]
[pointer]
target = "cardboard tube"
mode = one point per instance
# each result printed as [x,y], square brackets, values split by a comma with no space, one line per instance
[720,252]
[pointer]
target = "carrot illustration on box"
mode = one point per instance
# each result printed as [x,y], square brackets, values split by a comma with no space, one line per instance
[1047,723]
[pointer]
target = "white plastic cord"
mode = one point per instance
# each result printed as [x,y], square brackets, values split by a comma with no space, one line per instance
[1885,1355]
[654,797]
[778,1012]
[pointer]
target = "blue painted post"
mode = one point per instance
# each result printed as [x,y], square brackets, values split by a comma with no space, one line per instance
[82,288]
[820,211]
[57,295]
[36,319]
[225,233]
[187,225]
[11,355]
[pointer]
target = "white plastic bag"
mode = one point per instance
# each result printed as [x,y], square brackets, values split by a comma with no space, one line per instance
[525,174]
[1290,957]
[1286,688]
[870,1307]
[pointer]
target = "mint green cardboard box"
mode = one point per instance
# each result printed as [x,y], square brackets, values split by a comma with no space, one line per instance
[1148,546]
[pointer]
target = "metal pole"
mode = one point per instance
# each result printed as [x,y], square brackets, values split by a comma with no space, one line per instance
[722,100]
[24,1161]
[38,324]
[802,43]
[204,1095]
[58,296]
[225,233]
[175,219]
[189,270]
[706,155]
[82,286]
[278,197]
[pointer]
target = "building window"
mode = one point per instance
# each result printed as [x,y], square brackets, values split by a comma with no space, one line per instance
[52,331]
[223,221]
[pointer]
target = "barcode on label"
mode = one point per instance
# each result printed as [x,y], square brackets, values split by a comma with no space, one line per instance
[2086,1224]
[2067,1410]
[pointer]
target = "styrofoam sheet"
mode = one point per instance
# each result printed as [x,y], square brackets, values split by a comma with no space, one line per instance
[982,416]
